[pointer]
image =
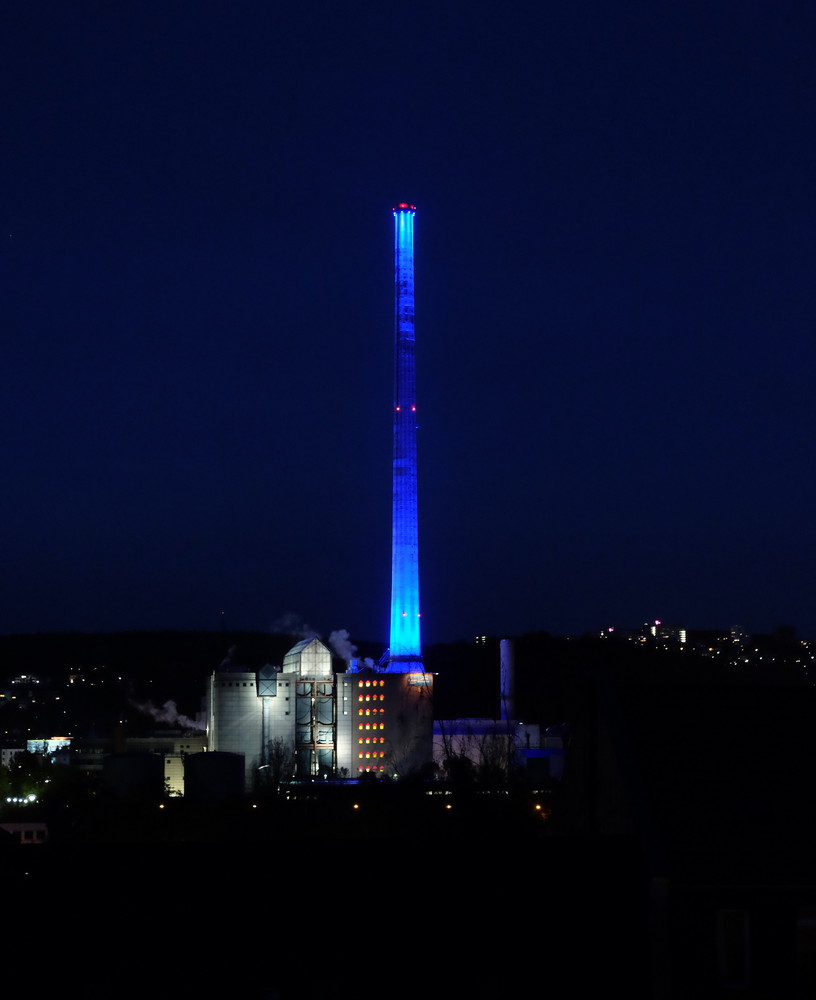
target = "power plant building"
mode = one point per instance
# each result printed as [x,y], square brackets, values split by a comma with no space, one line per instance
[302,719]
[305,722]
[278,717]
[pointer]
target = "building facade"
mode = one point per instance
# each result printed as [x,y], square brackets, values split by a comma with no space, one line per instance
[305,722]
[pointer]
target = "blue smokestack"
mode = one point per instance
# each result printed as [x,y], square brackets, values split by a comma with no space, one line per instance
[405,651]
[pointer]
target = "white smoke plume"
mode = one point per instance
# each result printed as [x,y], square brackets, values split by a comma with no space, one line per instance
[341,643]
[168,713]
[227,661]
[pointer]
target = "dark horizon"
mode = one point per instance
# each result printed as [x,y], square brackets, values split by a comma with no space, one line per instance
[365,647]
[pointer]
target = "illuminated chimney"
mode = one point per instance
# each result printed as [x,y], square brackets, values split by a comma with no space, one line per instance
[405,654]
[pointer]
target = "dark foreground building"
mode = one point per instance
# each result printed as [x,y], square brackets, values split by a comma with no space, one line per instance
[710,775]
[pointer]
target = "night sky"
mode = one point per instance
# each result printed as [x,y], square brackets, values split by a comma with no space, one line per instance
[615,239]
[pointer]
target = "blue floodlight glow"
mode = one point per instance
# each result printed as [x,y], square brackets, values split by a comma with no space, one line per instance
[405,651]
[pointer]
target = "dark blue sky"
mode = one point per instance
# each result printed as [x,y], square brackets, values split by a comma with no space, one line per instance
[615,257]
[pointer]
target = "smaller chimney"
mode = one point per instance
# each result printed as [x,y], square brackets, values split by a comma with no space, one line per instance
[507,681]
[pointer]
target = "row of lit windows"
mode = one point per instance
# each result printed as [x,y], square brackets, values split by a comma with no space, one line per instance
[371,725]
[369,684]
[375,739]
[367,754]
[371,711]
[370,768]
[371,697]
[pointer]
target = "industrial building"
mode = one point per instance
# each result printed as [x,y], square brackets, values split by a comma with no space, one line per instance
[494,749]
[305,720]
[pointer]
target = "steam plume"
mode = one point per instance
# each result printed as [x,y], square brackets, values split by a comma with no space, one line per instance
[168,713]
[341,643]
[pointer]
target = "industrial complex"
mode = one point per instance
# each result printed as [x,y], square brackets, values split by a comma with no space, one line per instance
[304,718]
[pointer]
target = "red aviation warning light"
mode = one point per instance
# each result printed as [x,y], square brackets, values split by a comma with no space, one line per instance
[404,207]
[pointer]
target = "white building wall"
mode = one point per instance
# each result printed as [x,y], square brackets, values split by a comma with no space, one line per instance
[235,719]
[346,718]
[279,711]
